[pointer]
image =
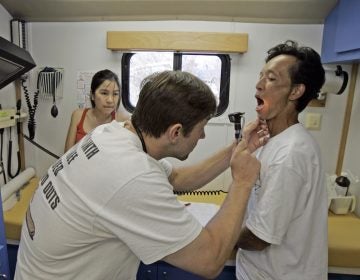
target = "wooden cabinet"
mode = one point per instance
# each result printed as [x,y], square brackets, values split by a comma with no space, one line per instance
[341,35]
[164,271]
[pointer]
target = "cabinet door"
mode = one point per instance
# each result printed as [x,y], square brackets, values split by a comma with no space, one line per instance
[147,272]
[341,35]
[4,269]
[169,272]
[348,26]
[4,263]
[228,273]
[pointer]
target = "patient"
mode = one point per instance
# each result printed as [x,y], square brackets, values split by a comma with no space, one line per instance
[105,99]
[285,234]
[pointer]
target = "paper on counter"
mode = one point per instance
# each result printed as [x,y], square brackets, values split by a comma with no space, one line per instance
[203,212]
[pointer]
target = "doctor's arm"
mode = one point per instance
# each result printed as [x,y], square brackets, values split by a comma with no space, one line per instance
[195,176]
[223,229]
[255,134]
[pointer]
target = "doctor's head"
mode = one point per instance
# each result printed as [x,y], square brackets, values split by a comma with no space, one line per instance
[173,97]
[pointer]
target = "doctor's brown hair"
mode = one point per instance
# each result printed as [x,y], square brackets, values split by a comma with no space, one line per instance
[171,97]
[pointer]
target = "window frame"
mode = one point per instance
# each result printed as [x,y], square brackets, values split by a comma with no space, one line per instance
[177,64]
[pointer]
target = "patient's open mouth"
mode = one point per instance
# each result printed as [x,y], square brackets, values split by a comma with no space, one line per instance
[259,100]
[260,103]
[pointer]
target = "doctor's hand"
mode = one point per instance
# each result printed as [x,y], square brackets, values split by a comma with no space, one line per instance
[245,167]
[255,134]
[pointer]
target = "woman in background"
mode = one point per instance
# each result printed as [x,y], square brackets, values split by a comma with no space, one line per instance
[105,99]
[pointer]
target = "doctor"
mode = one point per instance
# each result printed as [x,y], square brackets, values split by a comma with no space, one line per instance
[109,201]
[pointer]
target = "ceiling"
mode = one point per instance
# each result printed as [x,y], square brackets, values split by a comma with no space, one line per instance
[261,11]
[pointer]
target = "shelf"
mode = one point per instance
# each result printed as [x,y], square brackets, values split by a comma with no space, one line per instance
[8,117]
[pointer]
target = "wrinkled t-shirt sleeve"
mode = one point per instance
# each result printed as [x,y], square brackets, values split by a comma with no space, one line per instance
[148,218]
[167,166]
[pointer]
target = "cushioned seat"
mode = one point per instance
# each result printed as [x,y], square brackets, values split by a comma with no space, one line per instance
[344,240]
[14,217]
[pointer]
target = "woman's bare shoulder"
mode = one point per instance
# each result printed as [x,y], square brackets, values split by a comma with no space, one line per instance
[76,114]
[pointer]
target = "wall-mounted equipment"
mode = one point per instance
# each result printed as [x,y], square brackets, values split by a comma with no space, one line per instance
[19,37]
[336,81]
[50,85]
[14,62]
[238,120]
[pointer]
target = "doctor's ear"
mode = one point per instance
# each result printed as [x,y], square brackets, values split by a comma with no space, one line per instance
[174,131]
[297,91]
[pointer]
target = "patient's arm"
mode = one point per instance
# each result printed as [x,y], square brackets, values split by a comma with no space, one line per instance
[249,241]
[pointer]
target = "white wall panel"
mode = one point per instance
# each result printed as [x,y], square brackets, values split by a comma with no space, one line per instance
[81,46]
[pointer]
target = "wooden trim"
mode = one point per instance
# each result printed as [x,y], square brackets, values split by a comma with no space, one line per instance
[317,102]
[347,117]
[177,41]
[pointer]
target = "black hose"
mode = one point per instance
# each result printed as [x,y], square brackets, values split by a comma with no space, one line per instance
[32,109]
[9,159]
[1,154]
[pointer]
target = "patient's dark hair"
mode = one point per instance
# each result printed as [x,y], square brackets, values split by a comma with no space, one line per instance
[171,97]
[99,78]
[308,70]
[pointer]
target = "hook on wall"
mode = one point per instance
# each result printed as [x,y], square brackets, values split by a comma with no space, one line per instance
[340,72]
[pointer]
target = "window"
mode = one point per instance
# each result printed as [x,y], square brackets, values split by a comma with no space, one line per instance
[213,69]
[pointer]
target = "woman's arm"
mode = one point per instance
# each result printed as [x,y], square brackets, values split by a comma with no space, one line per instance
[71,135]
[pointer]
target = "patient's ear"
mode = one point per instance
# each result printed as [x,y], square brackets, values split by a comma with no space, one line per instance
[297,91]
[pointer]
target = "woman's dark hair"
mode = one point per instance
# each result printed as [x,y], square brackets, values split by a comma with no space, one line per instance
[308,70]
[172,97]
[99,78]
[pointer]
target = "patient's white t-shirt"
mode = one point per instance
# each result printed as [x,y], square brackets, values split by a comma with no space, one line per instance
[288,209]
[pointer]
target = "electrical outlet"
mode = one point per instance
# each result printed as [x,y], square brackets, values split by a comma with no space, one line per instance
[313,121]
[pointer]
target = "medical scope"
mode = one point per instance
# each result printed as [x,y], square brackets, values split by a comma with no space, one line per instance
[238,120]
